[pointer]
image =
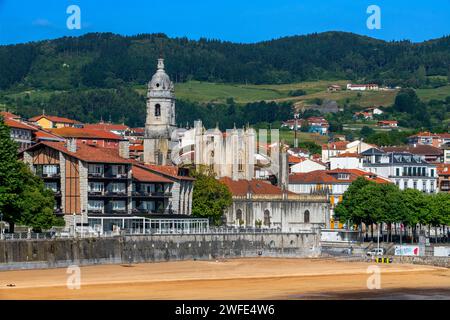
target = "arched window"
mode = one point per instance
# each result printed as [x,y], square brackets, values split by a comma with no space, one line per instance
[306,216]
[267,218]
[239,214]
[157,110]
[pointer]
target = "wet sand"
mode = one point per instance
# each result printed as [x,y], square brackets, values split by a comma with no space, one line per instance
[235,279]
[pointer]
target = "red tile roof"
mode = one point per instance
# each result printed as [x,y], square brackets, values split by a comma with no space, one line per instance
[424,134]
[338,145]
[144,175]
[170,171]
[85,133]
[54,119]
[47,136]
[294,159]
[106,126]
[241,187]
[138,147]
[10,122]
[443,169]
[349,155]
[9,115]
[330,177]
[87,153]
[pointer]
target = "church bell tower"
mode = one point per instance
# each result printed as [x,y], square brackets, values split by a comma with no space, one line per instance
[160,121]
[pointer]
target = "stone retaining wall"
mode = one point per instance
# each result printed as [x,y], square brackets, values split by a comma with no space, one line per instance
[31,254]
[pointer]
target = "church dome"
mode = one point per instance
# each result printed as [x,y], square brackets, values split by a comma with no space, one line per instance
[160,80]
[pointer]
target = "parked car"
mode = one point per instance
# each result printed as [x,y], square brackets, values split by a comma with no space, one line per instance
[375,252]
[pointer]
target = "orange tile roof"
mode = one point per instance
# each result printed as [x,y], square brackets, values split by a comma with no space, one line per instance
[338,145]
[349,155]
[85,133]
[443,169]
[144,175]
[329,177]
[10,122]
[294,159]
[9,115]
[241,187]
[171,171]
[54,119]
[138,147]
[87,153]
[45,135]
[106,126]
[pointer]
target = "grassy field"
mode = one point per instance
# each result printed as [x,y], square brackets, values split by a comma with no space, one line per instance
[437,93]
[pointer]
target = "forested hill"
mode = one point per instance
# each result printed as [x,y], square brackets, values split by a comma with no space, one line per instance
[107,60]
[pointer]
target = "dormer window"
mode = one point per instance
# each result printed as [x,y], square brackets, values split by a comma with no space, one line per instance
[157,85]
[343,176]
[157,110]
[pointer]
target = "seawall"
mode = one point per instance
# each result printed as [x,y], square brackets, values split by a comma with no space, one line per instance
[56,253]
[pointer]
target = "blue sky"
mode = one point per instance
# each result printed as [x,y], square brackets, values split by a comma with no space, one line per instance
[233,20]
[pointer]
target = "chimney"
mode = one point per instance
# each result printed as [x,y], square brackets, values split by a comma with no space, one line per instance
[72,145]
[124,149]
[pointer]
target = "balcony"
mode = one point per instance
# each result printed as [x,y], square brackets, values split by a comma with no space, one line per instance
[50,175]
[95,210]
[151,194]
[107,175]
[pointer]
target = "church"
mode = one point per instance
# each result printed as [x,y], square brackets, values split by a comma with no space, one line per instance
[232,157]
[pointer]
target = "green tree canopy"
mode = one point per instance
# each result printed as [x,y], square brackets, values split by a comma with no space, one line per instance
[210,197]
[23,198]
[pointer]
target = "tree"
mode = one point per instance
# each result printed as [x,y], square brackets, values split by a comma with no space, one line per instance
[366,131]
[23,198]
[407,101]
[210,197]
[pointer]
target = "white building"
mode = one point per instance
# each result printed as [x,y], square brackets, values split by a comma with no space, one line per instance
[346,160]
[405,169]
[307,165]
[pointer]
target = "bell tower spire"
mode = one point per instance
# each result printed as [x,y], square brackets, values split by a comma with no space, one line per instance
[160,121]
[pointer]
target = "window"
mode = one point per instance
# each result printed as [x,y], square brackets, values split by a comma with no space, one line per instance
[343,176]
[148,188]
[414,184]
[424,185]
[52,186]
[118,170]
[397,172]
[96,187]
[240,163]
[267,218]
[306,216]
[148,206]
[50,170]
[432,173]
[118,187]
[118,205]
[405,184]
[95,205]
[95,169]
[157,110]
[239,214]
[431,186]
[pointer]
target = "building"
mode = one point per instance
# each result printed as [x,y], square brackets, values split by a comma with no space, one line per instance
[50,122]
[427,138]
[93,184]
[160,121]
[346,160]
[363,115]
[362,87]
[430,153]
[387,123]
[405,169]
[332,149]
[334,88]
[318,125]
[332,183]
[303,165]
[443,171]
[20,132]
[118,129]
[446,152]
[101,138]
[374,111]
[258,203]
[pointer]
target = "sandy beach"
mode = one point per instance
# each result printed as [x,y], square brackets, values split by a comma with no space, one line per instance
[256,278]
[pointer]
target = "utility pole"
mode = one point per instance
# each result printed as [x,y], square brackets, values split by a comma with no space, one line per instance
[295,130]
